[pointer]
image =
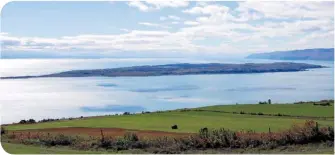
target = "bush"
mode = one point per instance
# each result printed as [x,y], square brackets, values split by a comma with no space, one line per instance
[322,104]
[130,137]
[242,112]
[31,121]
[48,120]
[23,121]
[260,113]
[3,131]
[185,109]
[262,102]
[126,113]
[174,127]
[58,140]
[105,143]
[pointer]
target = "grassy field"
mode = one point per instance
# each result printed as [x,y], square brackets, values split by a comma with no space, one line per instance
[28,149]
[294,149]
[190,121]
[287,109]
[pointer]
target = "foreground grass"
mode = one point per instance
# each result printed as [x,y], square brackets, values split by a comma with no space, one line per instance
[31,149]
[321,148]
[287,109]
[190,121]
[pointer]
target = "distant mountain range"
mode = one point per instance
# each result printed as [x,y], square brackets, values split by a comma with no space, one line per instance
[325,54]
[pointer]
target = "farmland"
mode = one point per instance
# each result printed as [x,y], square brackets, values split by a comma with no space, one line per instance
[260,118]
[307,109]
[190,121]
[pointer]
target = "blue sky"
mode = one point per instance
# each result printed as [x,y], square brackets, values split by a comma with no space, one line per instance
[163,28]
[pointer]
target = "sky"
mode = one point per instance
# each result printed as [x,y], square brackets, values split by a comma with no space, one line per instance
[163,28]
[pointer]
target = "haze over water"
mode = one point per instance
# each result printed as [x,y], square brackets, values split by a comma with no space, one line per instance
[72,97]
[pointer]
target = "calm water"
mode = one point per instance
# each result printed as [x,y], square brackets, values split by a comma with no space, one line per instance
[72,97]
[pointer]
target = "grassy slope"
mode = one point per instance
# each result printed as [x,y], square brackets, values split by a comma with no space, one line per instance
[295,149]
[30,149]
[190,121]
[288,109]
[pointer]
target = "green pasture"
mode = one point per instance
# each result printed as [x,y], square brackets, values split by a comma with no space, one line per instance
[287,109]
[190,121]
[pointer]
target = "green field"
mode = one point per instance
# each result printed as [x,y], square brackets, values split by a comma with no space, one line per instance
[287,109]
[190,121]
[294,149]
[28,149]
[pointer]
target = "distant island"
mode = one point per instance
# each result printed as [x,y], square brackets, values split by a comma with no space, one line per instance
[183,69]
[325,54]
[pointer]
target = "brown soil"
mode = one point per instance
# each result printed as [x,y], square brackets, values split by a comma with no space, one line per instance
[96,132]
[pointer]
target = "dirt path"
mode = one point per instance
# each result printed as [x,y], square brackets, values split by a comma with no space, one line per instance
[113,132]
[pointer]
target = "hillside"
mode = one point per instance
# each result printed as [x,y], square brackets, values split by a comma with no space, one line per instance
[234,117]
[325,54]
[252,128]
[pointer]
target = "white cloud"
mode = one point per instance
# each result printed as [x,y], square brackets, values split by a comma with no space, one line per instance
[171,17]
[211,21]
[208,9]
[140,5]
[162,18]
[191,23]
[153,25]
[151,5]
[314,40]
[174,17]
[124,30]
[170,3]
[131,41]
[290,9]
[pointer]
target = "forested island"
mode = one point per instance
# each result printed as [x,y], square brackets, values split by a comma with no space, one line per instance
[323,54]
[183,69]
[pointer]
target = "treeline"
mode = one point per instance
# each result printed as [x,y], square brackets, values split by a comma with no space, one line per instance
[268,102]
[318,103]
[222,138]
[32,121]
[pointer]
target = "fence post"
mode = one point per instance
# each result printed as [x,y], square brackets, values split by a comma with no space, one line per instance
[102,136]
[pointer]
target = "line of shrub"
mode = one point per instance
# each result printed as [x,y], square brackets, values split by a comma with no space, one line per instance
[253,113]
[32,121]
[310,132]
[320,103]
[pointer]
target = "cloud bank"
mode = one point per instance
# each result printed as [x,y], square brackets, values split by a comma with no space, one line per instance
[203,28]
